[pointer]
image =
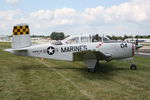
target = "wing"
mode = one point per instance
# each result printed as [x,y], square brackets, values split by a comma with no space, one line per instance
[89,54]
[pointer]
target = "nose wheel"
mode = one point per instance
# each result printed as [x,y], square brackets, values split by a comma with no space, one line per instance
[133,67]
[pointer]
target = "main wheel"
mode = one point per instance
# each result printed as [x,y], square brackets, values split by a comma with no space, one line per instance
[133,67]
[92,70]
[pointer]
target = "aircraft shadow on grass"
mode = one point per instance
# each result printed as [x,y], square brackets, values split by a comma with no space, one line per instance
[104,70]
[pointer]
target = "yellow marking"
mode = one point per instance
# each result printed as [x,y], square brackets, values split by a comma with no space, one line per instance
[15,30]
[21,30]
[24,32]
[27,30]
[24,27]
[18,33]
[18,27]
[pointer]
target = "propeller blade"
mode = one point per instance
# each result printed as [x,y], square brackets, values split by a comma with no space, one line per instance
[138,45]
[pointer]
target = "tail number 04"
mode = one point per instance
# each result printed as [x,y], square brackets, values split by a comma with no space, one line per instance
[123,45]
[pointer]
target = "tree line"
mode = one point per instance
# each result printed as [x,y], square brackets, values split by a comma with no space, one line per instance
[126,37]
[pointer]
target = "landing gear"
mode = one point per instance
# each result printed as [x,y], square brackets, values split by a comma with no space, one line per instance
[133,67]
[92,70]
[92,64]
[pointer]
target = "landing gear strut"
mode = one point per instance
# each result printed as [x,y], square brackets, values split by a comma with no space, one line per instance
[94,69]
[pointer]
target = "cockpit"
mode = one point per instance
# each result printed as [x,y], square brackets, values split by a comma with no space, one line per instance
[82,39]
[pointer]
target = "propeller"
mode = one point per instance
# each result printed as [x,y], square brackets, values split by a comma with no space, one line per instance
[137,44]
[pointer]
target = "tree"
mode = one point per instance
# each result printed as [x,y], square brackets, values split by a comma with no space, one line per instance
[125,37]
[114,37]
[57,35]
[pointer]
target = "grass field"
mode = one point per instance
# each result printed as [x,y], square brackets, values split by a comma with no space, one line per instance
[27,78]
[146,44]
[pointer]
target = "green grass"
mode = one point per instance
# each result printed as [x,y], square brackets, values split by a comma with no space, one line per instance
[4,45]
[146,44]
[27,78]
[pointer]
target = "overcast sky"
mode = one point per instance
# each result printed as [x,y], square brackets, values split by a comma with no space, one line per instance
[107,17]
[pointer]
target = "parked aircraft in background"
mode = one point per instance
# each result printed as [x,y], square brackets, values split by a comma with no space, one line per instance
[87,48]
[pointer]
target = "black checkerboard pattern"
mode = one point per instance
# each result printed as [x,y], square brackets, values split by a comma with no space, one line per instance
[21,30]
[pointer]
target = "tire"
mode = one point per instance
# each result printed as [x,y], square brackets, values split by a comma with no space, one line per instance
[133,67]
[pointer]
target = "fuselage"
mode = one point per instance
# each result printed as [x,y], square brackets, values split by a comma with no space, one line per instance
[118,50]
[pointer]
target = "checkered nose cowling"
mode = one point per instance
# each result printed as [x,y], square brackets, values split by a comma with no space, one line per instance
[21,30]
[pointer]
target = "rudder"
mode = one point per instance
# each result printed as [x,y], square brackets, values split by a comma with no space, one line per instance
[21,36]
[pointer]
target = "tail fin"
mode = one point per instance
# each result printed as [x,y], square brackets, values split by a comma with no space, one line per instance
[21,36]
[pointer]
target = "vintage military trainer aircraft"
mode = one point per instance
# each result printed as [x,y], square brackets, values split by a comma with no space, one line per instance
[87,48]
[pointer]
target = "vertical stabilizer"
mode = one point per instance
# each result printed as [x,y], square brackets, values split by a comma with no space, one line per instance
[21,36]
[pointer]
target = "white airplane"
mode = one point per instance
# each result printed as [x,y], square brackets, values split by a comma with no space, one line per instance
[87,48]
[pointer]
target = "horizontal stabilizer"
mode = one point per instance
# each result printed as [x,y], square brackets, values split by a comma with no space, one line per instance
[22,51]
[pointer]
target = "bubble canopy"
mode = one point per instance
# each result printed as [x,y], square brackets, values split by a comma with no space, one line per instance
[82,39]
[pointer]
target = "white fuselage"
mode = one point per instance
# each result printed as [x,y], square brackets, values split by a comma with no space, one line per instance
[65,52]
